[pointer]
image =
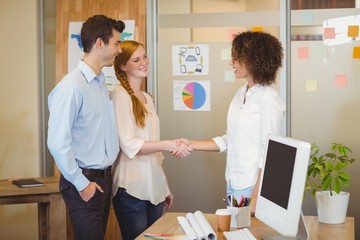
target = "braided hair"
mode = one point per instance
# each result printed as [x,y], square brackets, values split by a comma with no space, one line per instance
[128,48]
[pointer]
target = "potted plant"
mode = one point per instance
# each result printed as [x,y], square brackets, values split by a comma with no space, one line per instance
[326,177]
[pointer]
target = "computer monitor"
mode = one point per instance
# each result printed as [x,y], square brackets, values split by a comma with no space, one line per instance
[282,185]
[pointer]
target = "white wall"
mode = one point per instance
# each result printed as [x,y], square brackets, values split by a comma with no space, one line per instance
[19,137]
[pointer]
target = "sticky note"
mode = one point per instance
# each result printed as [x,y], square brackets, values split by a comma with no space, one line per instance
[340,80]
[329,33]
[303,52]
[321,52]
[229,76]
[311,85]
[232,32]
[226,54]
[307,18]
[353,31]
[257,29]
[356,52]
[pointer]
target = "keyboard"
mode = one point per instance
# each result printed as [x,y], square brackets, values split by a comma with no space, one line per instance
[241,234]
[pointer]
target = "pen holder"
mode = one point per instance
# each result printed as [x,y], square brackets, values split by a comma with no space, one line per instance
[240,217]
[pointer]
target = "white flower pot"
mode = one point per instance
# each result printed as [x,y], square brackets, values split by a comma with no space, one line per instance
[332,209]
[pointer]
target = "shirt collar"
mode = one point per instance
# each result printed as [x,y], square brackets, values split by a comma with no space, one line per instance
[89,74]
[253,90]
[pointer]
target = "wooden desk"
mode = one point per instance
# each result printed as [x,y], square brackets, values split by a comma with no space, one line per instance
[317,231]
[51,207]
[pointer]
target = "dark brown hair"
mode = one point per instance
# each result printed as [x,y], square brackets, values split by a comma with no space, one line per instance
[261,53]
[99,26]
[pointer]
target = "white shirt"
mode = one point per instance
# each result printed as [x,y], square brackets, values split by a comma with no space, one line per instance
[141,175]
[248,126]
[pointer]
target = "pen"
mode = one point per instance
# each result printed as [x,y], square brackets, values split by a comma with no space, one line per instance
[249,202]
[241,201]
[235,202]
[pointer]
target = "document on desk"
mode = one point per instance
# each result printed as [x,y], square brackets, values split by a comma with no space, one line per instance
[196,227]
[26,183]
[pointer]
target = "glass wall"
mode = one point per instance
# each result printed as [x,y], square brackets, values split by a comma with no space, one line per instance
[325,81]
[193,42]
[321,83]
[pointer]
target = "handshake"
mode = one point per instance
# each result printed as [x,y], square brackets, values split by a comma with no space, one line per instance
[181,147]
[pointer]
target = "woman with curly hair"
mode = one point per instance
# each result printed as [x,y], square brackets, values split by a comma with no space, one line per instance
[140,189]
[255,111]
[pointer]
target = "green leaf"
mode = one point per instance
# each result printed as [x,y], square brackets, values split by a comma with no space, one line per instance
[340,165]
[336,185]
[326,182]
[344,176]
[329,165]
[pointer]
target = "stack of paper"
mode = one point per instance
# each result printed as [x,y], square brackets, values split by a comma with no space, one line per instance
[196,227]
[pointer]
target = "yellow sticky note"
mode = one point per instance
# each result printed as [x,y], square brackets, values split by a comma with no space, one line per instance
[329,33]
[340,80]
[356,52]
[303,52]
[311,85]
[353,31]
[257,29]
[226,54]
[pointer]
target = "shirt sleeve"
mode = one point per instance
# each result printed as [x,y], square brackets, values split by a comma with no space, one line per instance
[64,103]
[130,144]
[221,142]
[272,113]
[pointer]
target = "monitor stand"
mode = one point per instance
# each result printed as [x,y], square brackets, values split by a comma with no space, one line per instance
[302,233]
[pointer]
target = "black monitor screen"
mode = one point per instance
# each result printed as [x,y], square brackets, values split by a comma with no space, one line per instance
[278,172]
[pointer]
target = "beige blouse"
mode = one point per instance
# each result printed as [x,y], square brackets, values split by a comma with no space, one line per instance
[141,175]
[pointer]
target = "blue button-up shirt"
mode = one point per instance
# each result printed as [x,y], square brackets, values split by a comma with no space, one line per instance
[82,129]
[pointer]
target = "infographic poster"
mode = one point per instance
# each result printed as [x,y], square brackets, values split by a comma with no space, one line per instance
[191,95]
[190,60]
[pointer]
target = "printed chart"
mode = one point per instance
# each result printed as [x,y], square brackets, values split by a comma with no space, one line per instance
[190,60]
[192,95]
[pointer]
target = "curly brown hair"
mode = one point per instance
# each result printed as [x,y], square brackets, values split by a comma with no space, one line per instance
[261,53]
[128,48]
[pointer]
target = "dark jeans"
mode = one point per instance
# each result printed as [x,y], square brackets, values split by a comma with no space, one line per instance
[88,219]
[134,215]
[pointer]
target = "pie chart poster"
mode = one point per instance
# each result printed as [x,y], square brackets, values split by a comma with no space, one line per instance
[191,95]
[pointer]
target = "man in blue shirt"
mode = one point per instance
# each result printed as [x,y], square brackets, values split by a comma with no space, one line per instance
[82,135]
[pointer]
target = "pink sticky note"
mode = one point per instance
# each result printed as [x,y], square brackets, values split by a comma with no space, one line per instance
[303,52]
[329,33]
[232,32]
[340,80]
